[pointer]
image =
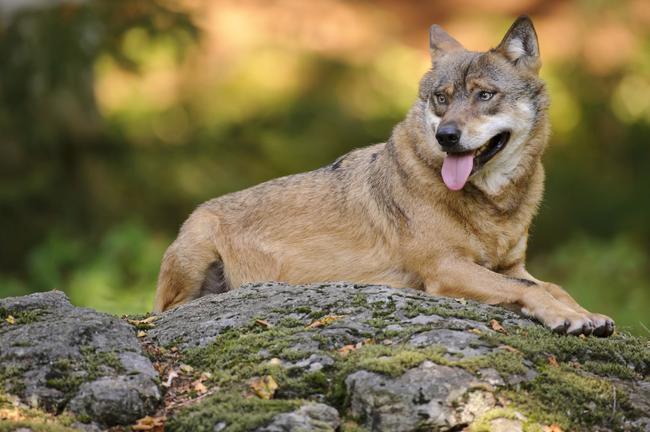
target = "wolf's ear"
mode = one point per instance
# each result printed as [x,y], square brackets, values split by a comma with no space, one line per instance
[520,46]
[441,42]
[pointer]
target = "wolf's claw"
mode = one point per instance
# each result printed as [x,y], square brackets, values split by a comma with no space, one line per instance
[562,328]
[604,329]
[586,329]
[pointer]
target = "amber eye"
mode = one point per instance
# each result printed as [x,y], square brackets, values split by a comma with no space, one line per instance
[441,98]
[485,95]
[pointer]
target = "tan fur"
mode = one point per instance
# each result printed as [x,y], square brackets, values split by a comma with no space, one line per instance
[382,215]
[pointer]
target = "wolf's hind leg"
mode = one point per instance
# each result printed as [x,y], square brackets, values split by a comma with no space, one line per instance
[191,266]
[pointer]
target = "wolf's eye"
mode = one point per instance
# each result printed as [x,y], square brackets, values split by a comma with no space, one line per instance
[441,98]
[485,95]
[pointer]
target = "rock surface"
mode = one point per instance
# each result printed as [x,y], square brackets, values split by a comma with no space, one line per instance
[57,356]
[274,357]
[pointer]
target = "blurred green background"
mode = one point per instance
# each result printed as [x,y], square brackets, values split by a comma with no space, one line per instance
[118,117]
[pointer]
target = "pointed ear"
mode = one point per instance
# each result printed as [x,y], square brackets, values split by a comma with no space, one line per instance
[440,42]
[520,46]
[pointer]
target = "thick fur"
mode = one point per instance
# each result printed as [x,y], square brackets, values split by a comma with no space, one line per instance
[382,214]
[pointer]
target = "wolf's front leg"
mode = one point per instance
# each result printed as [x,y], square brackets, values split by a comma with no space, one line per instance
[603,325]
[459,278]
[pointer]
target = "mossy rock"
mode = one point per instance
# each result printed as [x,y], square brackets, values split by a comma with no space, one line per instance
[57,358]
[398,360]
[327,357]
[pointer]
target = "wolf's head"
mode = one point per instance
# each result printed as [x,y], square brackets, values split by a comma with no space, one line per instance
[484,112]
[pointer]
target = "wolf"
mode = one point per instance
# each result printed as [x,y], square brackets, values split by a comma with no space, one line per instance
[443,206]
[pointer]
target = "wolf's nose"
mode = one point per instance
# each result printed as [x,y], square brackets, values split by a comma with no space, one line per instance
[448,135]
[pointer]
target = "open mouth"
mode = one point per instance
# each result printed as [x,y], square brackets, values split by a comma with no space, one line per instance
[490,149]
[458,167]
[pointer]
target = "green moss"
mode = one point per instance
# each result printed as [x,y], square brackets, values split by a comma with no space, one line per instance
[11,379]
[240,354]
[21,317]
[33,419]
[621,355]
[301,385]
[352,426]
[236,411]
[67,374]
[236,354]
[451,310]
[392,360]
[484,422]
[573,400]
[33,426]
[505,362]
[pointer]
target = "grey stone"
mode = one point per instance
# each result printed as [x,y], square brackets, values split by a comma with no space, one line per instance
[116,400]
[54,349]
[313,417]
[199,322]
[458,343]
[423,397]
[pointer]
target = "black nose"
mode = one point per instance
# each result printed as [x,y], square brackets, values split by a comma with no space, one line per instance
[448,135]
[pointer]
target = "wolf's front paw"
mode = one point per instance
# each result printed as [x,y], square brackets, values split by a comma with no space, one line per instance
[603,325]
[574,324]
[557,316]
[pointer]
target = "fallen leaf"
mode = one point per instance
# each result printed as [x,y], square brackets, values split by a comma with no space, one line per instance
[199,387]
[186,368]
[11,414]
[173,349]
[144,324]
[552,361]
[346,349]
[10,319]
[496,326]
[509,348]
[263,323]
[275,361]
[264,387]
[326,320]
[141,333]
[172,374]
[475,331]
[575,364]
[149,423]
[552,428]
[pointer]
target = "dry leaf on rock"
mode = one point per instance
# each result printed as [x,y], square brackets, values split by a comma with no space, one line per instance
[325,321]
[199,387]
[148,423]
[346,349]
[496,326]
[263,323]
[10,319]
[509,348]
[264,387]
[11,414]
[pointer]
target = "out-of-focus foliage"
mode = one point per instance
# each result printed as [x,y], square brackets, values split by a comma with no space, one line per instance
[117,117]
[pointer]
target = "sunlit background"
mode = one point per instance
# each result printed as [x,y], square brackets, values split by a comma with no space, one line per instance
[118,117]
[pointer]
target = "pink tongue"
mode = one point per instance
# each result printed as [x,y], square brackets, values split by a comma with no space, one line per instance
[456,170]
